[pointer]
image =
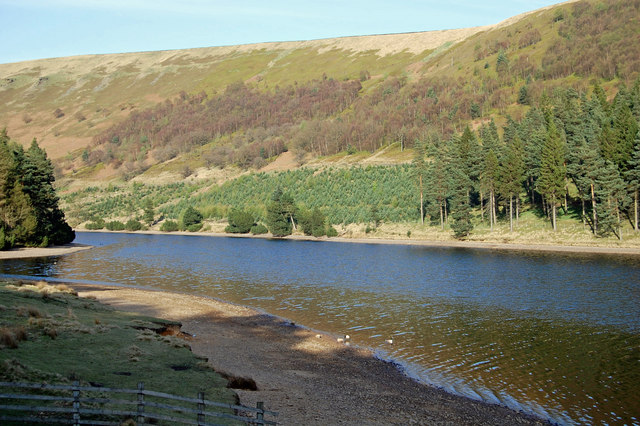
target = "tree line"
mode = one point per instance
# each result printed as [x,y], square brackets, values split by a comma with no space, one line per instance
[29,212]
[569,150]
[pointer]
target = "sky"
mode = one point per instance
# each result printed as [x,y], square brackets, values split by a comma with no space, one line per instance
[35,29]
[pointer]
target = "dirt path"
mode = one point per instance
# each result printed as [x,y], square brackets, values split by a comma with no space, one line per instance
[308,378]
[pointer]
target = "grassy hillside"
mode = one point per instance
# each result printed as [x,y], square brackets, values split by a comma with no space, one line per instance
[96,91]
[326,100]
[48,334]
[65,102]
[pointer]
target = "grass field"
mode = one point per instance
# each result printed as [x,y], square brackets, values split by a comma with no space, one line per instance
[50,335]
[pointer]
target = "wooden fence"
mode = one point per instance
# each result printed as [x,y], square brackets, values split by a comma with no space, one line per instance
[91,405]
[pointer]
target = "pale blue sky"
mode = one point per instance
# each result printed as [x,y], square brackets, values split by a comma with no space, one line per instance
[33,29]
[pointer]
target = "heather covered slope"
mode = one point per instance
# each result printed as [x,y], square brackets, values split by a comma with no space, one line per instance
[65,102]
[99,90]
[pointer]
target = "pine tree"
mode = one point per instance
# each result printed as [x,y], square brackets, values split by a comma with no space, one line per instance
[280,212]
[439,178]
[523,96]
[551,183]
[512,174]
[29,212]
[610,192]
[6,167]
[317,222]
[240,222]
[38,181]
[460,206]
[533,132]
[490,167]
[618,140]
[468,155]
[420,171]
[632,177]
[490,178]
[192,219]
[149,213]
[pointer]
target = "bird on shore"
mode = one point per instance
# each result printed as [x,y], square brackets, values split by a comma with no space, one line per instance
[343,339]
[389,341]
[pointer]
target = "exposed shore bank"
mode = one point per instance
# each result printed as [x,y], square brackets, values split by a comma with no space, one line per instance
[27,252]
[488,245]
[309,378]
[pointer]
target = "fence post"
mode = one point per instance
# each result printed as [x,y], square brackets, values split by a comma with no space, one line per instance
[140,420]
[260,414]
[76,403]
[200,408]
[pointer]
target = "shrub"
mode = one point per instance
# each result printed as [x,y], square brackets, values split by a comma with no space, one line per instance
[313,223]
[169,226]
[20,333]
[191,217]
[259,229]
[98,224]
[115,225]
[194,228]
[331,231]
[132,225]
[8,339]
[34,312]
[240,222]
[318,231]
[5,244]
[79,116]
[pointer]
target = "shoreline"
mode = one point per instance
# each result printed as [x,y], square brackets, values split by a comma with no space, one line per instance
[32,252]
[307,376]
[482,245]
[29,252]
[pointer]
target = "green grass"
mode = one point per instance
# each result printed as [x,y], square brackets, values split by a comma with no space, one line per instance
[61,338]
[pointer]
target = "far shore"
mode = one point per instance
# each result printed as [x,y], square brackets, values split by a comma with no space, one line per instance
[28,252]
[31,252]
[488,245]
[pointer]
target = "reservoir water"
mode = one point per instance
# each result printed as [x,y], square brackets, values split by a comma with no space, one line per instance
[556,335]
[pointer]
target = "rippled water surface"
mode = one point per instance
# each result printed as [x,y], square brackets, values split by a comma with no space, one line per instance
[557,335]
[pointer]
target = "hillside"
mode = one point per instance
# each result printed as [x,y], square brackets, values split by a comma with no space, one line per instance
[99,90]
[65,102]
[535,115]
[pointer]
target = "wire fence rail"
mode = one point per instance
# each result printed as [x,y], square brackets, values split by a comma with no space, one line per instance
[97,405]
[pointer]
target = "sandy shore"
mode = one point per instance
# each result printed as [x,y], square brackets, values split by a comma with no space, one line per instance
[487,245]
[309,378]
[26,252]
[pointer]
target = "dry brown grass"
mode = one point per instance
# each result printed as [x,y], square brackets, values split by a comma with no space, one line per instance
[63,288]
[135,353]
[20,333]
[11,336]
[50,331]
[34,312]
[8,339]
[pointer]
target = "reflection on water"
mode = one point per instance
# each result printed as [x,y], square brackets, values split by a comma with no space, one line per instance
[555,335]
